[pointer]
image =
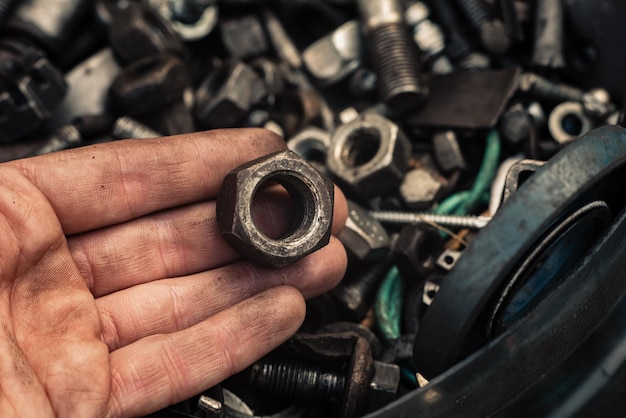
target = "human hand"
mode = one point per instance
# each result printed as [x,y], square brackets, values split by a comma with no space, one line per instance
[118,296]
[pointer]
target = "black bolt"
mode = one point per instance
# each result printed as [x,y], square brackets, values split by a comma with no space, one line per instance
[294,379]
[457,44]
[356,297]
[393,54]
[492,31]
[542,88]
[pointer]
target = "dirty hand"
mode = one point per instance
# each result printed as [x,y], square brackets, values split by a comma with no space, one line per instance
[118,296]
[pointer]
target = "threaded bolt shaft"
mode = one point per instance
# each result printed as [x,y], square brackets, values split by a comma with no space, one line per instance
[292,379]
[457,45]
[394,57]
[67,136]
[542,88]
[451,221]
[129,128]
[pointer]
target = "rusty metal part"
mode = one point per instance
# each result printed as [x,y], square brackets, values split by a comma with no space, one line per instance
[291,376]
[149,84]
[383,387]
[393,55]
[228,94]
[369,156]
[312,198]
[244,36]
[421,188]
[30,90]
[363,236]
[416,250]
[336,55]
[467,100]
[139,31]
[448,152]
[517,174]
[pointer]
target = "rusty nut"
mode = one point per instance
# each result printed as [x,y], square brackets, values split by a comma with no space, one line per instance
[369,155]
[312,198]
[149,84]
[228,94]
[363,236]
[138,31]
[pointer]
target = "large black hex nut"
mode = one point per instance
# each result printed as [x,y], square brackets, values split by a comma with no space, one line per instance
[369,155]
[312,198]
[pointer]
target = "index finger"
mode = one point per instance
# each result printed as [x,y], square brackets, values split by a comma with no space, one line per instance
[100,185]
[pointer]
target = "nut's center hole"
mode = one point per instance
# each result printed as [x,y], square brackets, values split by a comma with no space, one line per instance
[572,124]
[360,147]
[273,210]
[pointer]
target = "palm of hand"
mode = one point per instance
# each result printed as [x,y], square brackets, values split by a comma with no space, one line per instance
[117,295]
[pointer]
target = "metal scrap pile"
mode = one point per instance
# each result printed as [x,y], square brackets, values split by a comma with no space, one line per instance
[428,115]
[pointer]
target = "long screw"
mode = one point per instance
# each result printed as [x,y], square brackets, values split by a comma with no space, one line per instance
[393,55]
[451,221]
[542,88]
[492,32]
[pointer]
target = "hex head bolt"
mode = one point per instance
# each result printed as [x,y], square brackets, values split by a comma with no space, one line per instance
[492,32]
[394,57]
[541,88]
[457,45]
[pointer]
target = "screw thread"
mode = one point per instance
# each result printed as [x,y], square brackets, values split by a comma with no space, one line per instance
[129,128]
[396,64]
[476,12]
[292,379]
[542,88]
[457,45]
[473,222]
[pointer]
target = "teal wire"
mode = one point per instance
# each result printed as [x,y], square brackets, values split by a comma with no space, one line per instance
[388,307]
[485,175]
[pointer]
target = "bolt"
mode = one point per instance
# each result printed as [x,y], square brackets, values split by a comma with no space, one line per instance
[541,88]
[212,407]
[395,59]
[492,32]
[457,45]
[129,128]
[450,221]
[67,136]
[356,297]
[293,379]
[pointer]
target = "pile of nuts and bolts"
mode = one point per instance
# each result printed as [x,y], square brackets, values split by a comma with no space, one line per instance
[428,115]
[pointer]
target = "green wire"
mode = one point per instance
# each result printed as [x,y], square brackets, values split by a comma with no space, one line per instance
[388,307]
[389,300]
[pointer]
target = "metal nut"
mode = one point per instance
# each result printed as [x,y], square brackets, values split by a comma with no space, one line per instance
[312,196]
[568,121]
[191,20]
[335,56]
[363,236]
[369,155]
[597,103]
[416,251]
[149,84]
[228,94]
[244,36]
[421,188]
[312,144]
[139,31]
[448,152]
[383,387]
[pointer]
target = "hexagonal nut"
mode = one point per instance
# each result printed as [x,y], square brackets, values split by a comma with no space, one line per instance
[448,152]
[244,36]
[311,193]
[191,20]
[383,387]
[138,31]
[333,57]
[228,94]
[312,144]
[363,236]
[149,84]
[369,156]
[421,188]
[416,250]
